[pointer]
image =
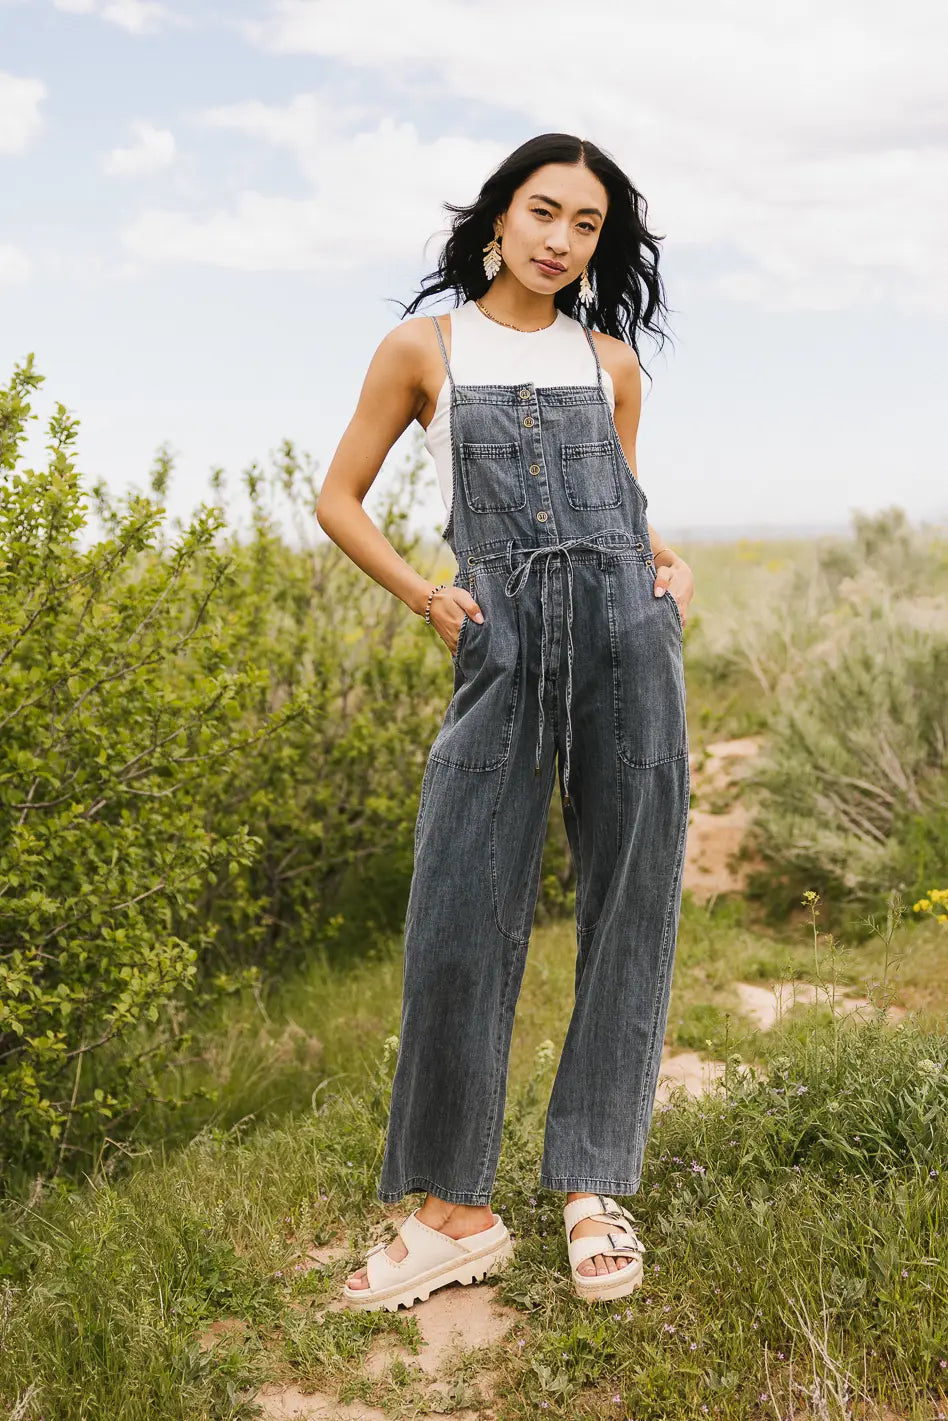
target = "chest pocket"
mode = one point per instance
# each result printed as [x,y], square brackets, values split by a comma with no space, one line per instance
[493,476]
[590,476]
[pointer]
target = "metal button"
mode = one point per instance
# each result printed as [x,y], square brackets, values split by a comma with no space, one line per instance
[529,421]
[534,468]
[525,394]
[542,517]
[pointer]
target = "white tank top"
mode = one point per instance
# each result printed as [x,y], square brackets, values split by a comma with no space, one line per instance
[482,352]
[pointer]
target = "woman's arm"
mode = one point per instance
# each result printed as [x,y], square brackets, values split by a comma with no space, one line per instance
[672,572]
[393,393]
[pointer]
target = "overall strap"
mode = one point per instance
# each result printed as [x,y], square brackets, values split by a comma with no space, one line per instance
[444,353]
[592,346]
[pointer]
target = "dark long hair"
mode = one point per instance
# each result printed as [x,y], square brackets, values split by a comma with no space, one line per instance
[628,294]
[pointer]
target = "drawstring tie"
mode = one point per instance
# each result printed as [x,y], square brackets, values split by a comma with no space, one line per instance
[514,585]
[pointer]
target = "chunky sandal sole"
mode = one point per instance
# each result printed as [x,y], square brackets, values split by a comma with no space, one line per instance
[492,1259]
[603,1287]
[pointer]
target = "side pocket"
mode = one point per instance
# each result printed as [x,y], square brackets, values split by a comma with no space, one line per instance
[422,796]
[650,713]
[478,724]
[670,597]
[462,632]
[456,655]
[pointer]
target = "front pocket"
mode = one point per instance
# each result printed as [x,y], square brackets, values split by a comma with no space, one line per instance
[648,672]
[590,476]
[478,724]
[493,477]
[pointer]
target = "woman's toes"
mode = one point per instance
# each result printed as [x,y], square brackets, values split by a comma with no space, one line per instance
[396,1251]
[602,1263]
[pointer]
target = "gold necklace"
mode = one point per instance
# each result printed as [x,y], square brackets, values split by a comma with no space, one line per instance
[511,327]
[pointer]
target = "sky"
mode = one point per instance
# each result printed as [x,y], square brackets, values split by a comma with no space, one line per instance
[209,214]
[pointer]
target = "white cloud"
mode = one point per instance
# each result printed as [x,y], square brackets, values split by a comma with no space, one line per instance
[15,265]
[154,150]
[305,125]
[20,119]
[810,147]
[139,17]
[375,191]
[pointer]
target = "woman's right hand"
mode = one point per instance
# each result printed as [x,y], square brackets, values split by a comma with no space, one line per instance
[448,607]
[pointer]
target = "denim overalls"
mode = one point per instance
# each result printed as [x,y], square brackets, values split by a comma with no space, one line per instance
[576,659]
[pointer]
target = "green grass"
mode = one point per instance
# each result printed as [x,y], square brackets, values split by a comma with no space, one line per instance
[261,1055]
[795,1227]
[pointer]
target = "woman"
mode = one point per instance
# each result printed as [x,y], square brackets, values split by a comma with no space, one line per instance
[564,624]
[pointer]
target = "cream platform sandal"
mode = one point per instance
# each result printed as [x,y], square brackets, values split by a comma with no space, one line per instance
[620,1241]
[432,1260]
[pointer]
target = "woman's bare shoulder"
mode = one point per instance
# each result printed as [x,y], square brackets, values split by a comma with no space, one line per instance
[408,353]
[412,336]
[622,363]
[405,369]
[618,353]
[400,356]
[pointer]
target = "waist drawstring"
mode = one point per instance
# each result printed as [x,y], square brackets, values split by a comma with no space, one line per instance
[514,585]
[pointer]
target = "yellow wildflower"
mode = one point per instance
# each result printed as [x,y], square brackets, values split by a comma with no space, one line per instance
[936,899]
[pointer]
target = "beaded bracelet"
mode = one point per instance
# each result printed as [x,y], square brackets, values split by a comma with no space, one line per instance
[428,603]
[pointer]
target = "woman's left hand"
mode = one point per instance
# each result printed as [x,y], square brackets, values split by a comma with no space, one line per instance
[677,579]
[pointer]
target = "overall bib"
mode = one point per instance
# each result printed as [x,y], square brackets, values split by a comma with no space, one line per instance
[576,666]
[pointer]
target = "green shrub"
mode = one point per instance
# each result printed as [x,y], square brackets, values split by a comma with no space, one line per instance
[851,788]
[847,644]
[103,848]
[210,743]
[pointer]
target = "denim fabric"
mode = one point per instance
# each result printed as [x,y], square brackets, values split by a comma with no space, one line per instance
[576,670]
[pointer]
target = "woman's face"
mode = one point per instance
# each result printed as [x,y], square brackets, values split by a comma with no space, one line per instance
[554,217]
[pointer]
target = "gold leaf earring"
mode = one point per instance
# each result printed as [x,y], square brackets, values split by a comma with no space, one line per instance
[585,287]
[492,259]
